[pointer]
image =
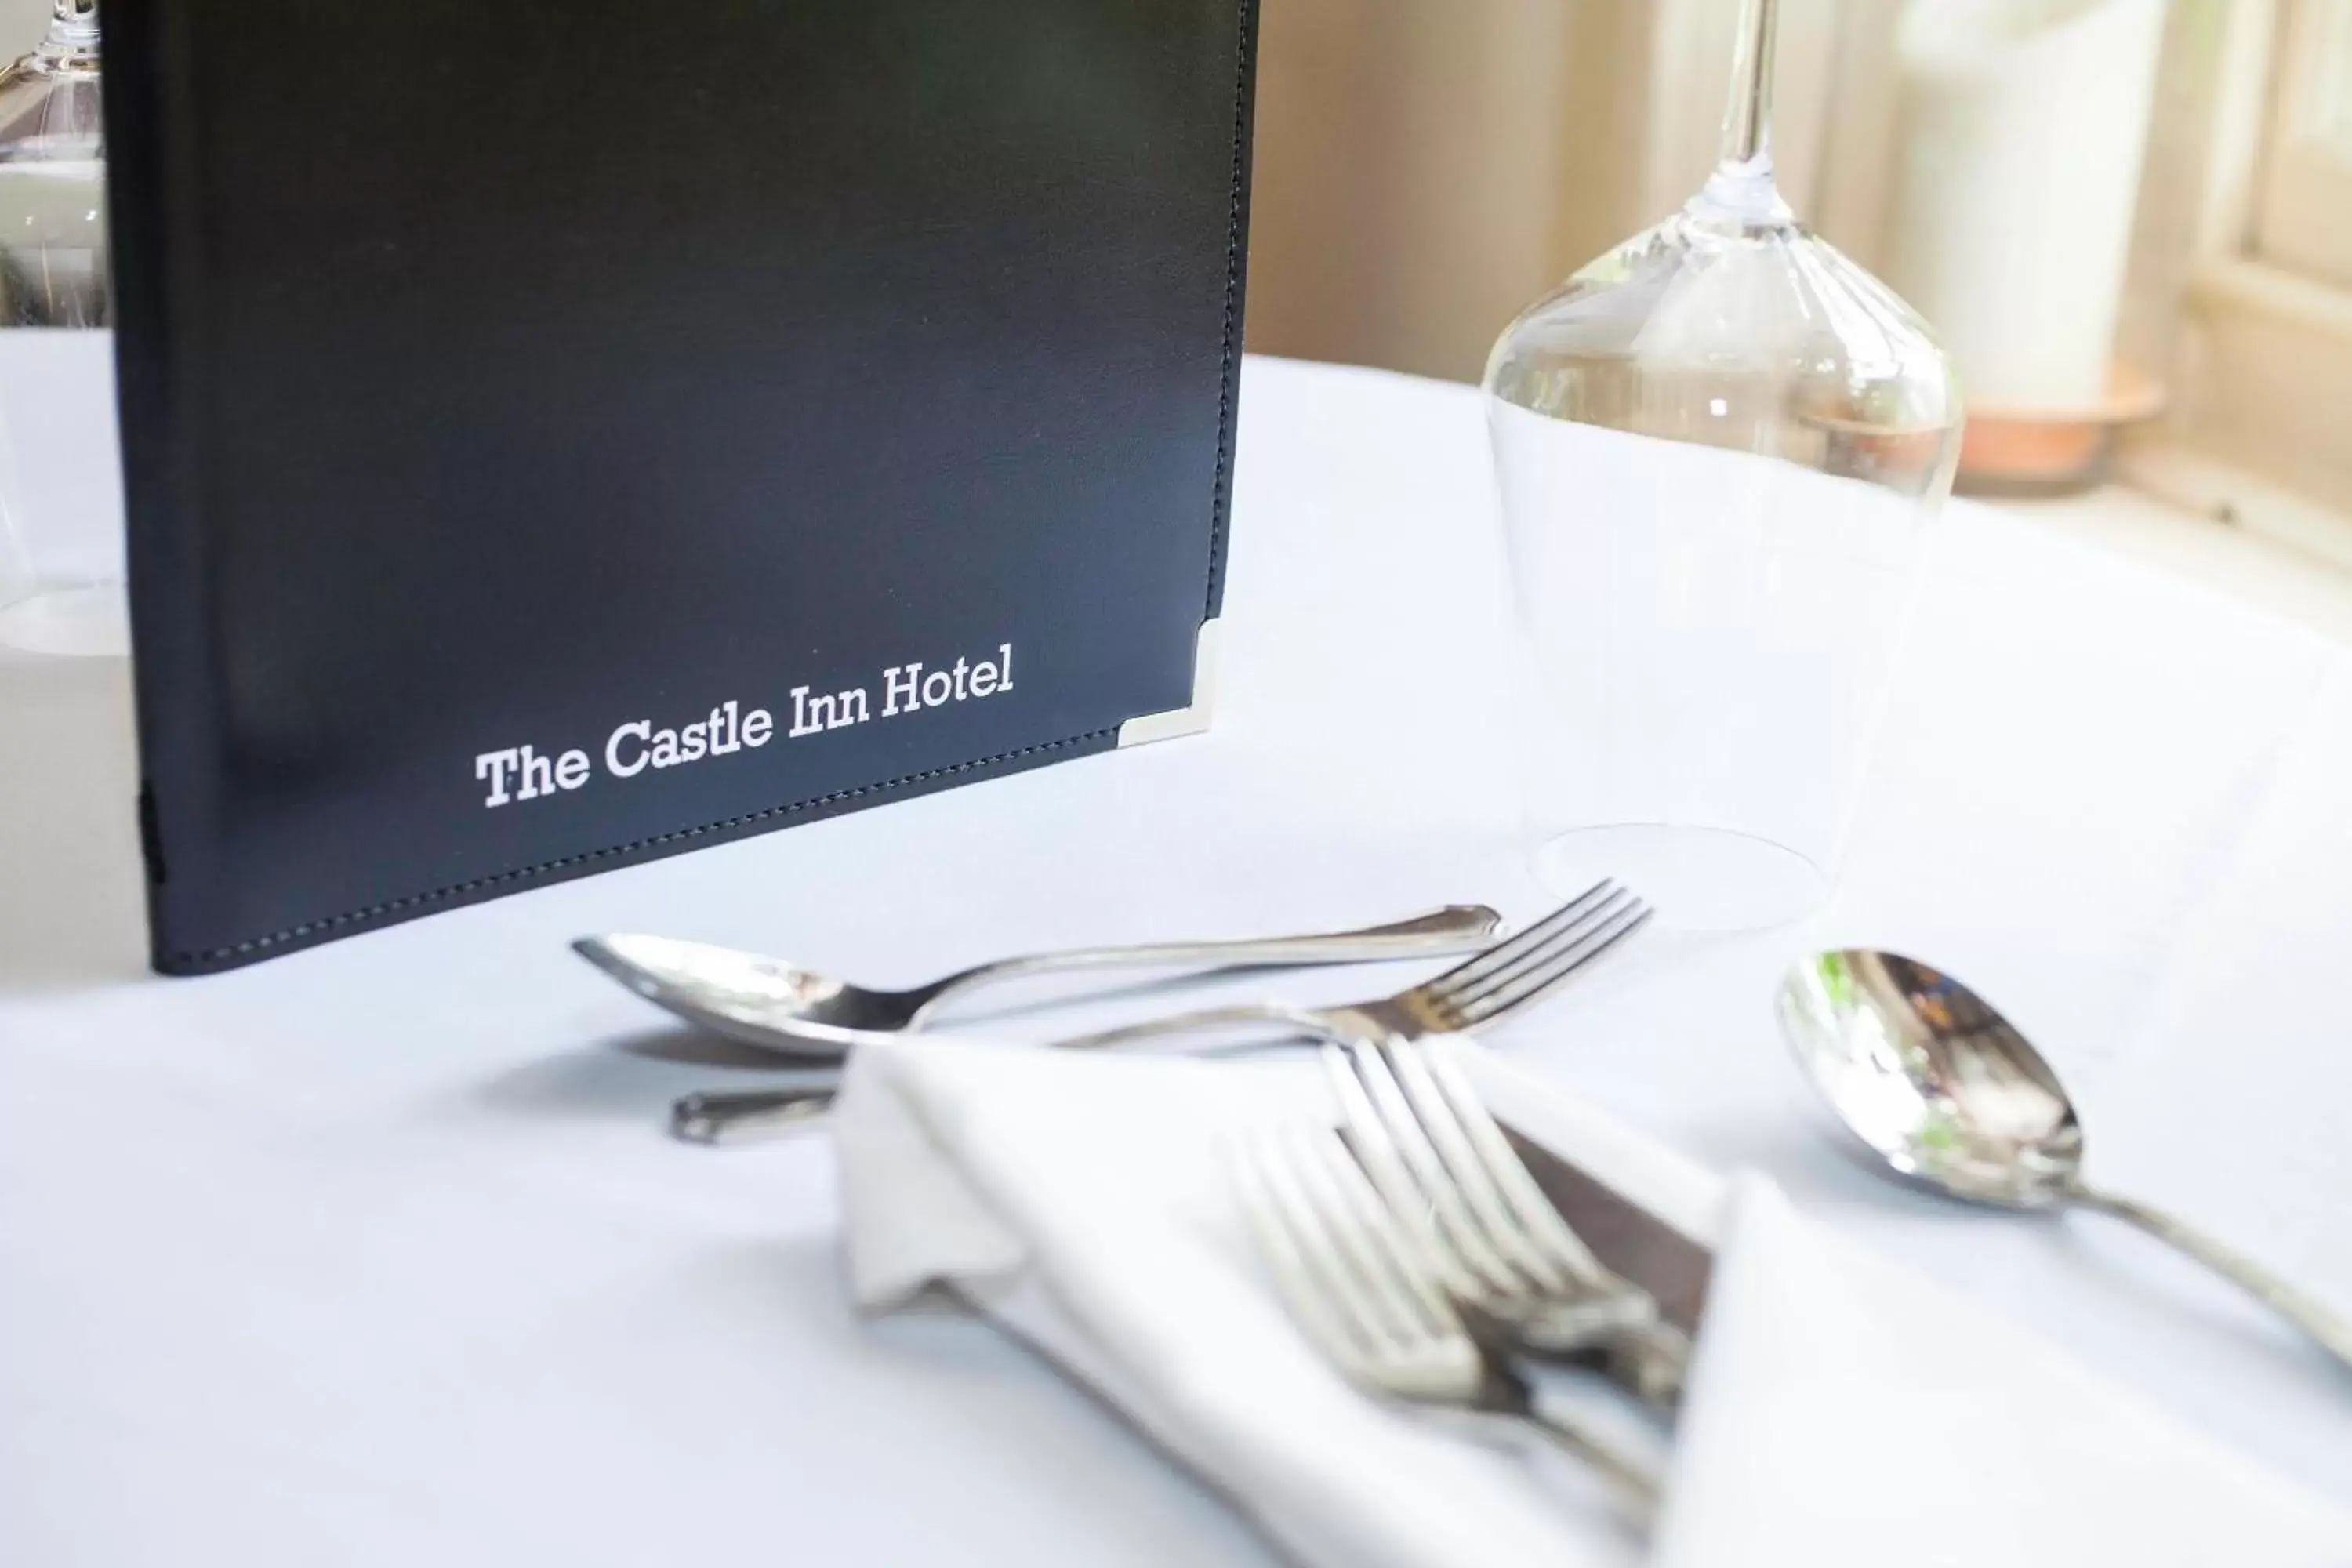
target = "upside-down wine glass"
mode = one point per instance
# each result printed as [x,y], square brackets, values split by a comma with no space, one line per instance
[1719,449]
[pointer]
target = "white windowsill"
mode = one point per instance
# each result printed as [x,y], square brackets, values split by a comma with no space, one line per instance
[2291,583]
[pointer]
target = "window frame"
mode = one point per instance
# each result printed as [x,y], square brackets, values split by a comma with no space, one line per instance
[2302,216]
[2258,354]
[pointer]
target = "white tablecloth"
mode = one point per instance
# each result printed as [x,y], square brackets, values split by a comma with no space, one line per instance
[378,1254]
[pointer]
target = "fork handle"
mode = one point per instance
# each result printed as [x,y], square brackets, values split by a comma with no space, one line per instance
[756,1113]
[1568,1433]
[1294,1021]
[750,1114]
[1457,928]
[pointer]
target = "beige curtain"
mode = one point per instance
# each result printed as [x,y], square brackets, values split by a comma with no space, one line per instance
[22,23]
[1425,168]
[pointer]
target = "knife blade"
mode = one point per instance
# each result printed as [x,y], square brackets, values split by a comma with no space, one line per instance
[1629,1240]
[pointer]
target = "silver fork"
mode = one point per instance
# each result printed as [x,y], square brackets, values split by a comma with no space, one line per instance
[1444,1166]
[1366,1290]
[1485,990]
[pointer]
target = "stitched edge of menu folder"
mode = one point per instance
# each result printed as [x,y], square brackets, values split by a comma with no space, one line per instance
[1229,371]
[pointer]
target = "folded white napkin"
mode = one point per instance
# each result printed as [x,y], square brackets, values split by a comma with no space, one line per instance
[1841,1410]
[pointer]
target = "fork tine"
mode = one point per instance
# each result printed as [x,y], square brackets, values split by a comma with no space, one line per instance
[1544,1225]
[1536,981]
[1470,1170]
[1511,948]
[1538,957]
[1363,1227]
[1303,1273]
[1344,1271]
[1310,1222]
[1367,1138]
[1393,1132]
[1533,985]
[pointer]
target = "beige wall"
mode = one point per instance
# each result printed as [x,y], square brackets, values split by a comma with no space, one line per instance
[1408,160]
[1415,177]
[21,22]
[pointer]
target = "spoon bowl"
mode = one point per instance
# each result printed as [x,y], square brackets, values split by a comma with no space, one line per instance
[1932,1079]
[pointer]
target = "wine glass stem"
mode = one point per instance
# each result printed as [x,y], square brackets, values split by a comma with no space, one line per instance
[1747,122]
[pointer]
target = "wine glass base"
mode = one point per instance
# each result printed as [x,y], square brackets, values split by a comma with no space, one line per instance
[1698,879]
[92,622]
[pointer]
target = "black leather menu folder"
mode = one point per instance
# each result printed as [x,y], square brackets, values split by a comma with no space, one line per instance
[563,432]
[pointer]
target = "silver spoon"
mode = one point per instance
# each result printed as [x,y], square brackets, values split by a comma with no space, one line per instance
[1951,1097]
[802,1015]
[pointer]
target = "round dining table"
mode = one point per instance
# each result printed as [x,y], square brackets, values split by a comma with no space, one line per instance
[380,1253]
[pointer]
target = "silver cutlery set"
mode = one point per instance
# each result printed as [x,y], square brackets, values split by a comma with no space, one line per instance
[1414,1244]
[1432,1256]
[801,1017]
[806,1019]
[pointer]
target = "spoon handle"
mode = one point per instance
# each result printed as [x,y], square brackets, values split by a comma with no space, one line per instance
[2331,1328]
